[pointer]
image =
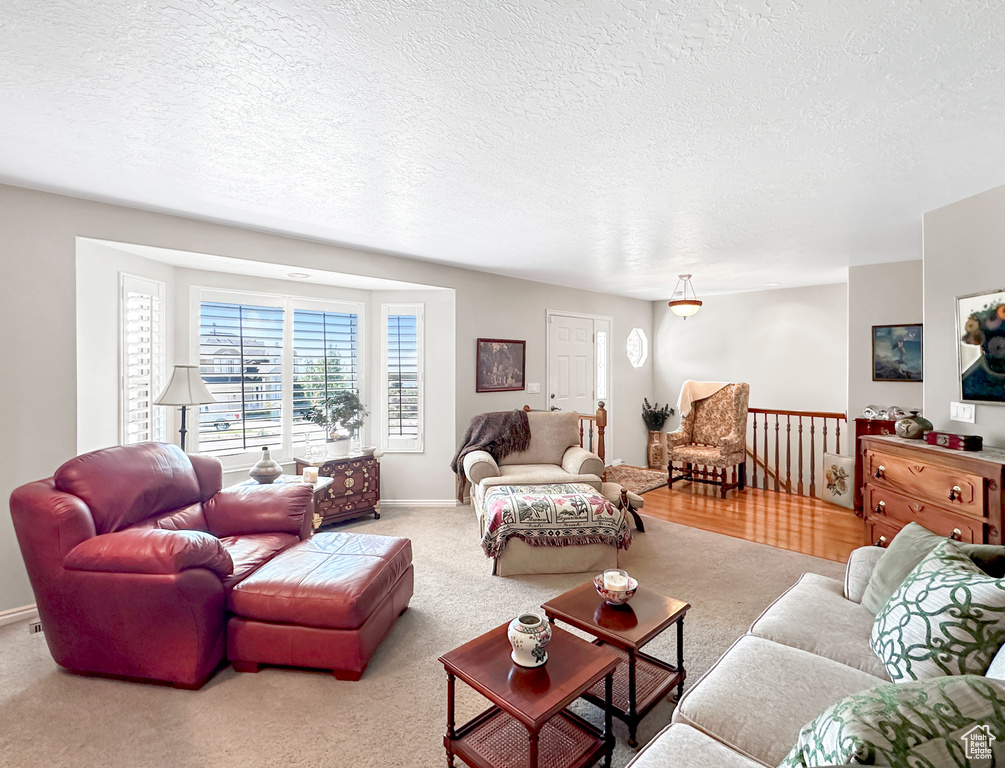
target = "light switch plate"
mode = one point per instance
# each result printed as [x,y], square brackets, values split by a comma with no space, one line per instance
[533,389]
[963,412]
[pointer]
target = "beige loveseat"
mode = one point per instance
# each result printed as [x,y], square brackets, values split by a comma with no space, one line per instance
[809,649]
[553,456]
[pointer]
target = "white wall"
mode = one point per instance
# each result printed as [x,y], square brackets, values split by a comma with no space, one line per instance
[881,294]
[790,345]
[38,234]
[964,254]
[98,337]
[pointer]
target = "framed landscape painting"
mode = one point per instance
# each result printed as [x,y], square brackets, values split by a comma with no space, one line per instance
[501,365]
[897,353]
[980,329]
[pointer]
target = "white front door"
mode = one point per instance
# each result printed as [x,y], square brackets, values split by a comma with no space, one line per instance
[571,368]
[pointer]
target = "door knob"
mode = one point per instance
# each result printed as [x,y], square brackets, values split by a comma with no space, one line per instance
[555,408]
[552,395]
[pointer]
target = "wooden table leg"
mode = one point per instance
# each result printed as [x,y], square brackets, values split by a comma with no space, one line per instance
[533,748]
[450,720]
[680,657]
[632,718]
[608,724]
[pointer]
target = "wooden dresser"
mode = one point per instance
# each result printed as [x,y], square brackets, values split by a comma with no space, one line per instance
[354,492]
[954,493]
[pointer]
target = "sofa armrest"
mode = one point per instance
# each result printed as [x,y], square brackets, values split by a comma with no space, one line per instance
[579,461]
[150,550]
[677,438]
[258,509]
[860,566]
[732,443]
[479,465]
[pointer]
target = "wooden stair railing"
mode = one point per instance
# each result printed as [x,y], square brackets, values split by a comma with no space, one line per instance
[772,473]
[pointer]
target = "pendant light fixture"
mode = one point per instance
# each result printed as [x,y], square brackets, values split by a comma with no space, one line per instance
[680,304]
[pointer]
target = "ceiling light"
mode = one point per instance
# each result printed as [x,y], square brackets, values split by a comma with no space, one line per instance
[680,304]
[298,275]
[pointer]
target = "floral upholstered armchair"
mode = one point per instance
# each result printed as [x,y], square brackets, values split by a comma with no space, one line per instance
[712,436]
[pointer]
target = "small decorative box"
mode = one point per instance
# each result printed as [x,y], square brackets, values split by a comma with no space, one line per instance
[955,442]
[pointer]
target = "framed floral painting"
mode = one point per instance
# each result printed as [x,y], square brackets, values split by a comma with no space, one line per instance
[897,352]
[980,328]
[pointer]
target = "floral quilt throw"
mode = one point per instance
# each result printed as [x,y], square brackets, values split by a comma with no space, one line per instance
[551,516]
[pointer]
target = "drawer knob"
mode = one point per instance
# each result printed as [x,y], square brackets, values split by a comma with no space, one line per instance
[881,508]
[881,542]
[880,470]
[956,535]
[955,493]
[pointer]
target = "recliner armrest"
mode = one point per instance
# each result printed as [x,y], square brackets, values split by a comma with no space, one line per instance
[861,563]
[479,465]
[258,509]
[150,550]
[579,461]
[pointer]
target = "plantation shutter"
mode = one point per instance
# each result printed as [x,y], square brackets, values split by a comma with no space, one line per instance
[402,368]
[142,360]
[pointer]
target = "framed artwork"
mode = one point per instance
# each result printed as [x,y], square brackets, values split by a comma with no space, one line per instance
[896,353]
[501,365]
[980,328]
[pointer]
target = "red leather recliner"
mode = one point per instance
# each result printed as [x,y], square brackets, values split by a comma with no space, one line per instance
[131,552]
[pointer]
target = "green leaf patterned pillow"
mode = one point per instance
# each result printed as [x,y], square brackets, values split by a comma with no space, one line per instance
[920,724]
[947,618]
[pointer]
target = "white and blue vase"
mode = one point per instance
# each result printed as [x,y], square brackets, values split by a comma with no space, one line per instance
[529,634]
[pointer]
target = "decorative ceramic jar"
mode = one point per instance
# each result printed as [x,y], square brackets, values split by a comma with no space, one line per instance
[914,426]
[655,451]
[529,634]
[266,470]
[338,445]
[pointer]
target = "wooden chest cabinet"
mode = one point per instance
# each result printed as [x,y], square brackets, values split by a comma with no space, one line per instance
[354,492]
[954,493]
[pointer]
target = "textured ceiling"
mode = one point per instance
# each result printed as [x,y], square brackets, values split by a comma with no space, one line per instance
[607,144]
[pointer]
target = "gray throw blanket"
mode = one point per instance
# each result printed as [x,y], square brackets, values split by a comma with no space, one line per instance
[500,433]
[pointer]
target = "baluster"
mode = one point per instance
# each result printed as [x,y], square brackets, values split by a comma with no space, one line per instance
[581,434]
[837,435]
[778,464]
[601,426]
[813,458]
[825,435]
[800,455]
[753,479]
[767,471]
[788,454]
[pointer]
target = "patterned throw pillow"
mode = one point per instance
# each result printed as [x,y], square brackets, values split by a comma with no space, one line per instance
[924,724]
[947,618]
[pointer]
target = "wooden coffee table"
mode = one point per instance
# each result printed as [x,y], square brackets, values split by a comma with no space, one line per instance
[640,681]
[528,723]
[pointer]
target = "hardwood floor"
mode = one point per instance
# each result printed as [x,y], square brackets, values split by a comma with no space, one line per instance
[797,523]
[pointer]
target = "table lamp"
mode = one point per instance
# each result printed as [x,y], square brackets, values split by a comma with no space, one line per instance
[185,388]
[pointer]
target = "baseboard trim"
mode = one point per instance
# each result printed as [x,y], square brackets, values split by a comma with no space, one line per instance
[617,462]
[24,613]
[419,503]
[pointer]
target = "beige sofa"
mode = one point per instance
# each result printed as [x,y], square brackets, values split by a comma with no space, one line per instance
[553,456]
[809,649]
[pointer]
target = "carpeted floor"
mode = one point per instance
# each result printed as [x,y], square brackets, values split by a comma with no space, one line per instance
[637,479]
[395,716]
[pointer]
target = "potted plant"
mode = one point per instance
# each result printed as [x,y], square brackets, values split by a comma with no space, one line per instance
[341,416]
[655,417]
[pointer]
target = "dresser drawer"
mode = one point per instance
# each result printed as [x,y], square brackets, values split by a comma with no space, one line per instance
[954,489]
[892,508]
[880,531]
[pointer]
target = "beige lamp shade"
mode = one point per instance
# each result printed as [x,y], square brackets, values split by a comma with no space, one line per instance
[186,387]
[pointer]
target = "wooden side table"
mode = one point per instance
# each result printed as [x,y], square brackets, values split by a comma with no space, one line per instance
[321,488]
[640,681]
[355,490]
[528,723]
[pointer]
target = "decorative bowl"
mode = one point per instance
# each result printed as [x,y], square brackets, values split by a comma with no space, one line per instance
[615,598]
[368,450]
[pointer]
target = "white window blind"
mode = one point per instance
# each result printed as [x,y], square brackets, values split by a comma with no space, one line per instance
[142,359]
[241,361]
[325,359]
[401,409]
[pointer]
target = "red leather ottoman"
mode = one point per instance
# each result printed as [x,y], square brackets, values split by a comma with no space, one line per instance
[325,603]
